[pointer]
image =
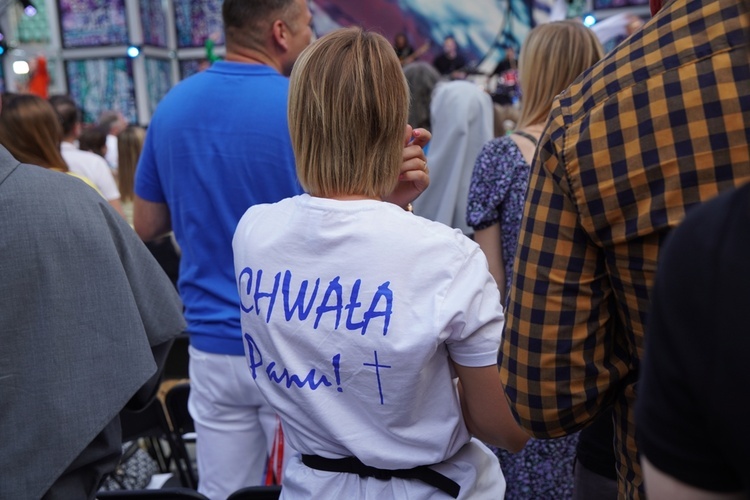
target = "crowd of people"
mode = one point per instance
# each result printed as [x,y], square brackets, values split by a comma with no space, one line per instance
[387,293]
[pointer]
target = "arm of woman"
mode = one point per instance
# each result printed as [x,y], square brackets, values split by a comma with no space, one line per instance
[485,408]
[490,241]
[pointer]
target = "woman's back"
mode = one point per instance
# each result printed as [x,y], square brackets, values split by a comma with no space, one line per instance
[359,323]
[357,316]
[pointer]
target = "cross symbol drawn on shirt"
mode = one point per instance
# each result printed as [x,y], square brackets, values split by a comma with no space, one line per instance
[378,366]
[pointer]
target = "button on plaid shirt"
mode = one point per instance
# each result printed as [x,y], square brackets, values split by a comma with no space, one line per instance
[655,128]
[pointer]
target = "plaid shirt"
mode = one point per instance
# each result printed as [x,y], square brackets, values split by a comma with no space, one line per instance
[655,128]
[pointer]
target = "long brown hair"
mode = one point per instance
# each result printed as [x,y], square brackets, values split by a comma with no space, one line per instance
[129,146]
[31,131]
[552,57]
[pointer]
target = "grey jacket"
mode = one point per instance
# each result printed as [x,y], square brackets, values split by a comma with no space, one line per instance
[81,303]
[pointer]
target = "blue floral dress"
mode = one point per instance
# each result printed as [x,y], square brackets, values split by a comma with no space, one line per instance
[544,468]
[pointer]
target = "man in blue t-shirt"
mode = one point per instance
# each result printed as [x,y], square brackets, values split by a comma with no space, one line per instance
[218,144]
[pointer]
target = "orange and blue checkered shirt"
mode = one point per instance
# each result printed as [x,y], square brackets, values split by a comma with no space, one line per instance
[658,126]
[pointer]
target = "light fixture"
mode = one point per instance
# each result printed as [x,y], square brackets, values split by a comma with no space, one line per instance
[589,20]
[28,8]
[20,67]
[133,51]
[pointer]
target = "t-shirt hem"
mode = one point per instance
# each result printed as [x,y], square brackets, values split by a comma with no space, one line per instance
[217,345]
[477,360]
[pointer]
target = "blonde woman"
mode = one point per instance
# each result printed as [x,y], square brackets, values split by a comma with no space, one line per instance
[129,146]
[356,313]
[552,56]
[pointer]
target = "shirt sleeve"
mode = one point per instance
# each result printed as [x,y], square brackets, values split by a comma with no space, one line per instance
[490,181]
[556,358]
[147,182]
[472,314]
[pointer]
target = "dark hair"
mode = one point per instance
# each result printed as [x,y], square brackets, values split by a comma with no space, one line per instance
[246,22]
[401,35]
[93,139]
[7,96]
[67,112]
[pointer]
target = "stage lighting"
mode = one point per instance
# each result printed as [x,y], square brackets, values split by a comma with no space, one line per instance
[133,51]
[21,67]
[28,8]
[589,20]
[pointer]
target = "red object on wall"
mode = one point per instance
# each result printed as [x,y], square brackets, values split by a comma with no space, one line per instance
[39,80]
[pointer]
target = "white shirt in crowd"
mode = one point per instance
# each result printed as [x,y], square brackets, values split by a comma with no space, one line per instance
[350,312]
[93,167]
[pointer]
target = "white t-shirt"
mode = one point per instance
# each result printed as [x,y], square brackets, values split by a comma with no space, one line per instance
[93,167]
[350,310]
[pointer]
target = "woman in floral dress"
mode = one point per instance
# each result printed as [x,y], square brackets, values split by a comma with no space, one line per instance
[552,57]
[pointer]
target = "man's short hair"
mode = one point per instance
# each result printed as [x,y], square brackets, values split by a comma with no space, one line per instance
[247,22]
[67,111]
[108,119]
[348,104]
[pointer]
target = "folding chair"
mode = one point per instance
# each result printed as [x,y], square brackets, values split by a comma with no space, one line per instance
[151,424]
[256,493]
[162,494]
[176,402]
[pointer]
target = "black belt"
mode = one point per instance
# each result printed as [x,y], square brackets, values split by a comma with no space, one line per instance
[353,465]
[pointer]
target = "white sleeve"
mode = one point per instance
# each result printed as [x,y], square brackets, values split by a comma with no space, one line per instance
[472,314]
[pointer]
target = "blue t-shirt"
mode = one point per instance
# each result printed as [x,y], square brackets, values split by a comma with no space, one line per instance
[217,144]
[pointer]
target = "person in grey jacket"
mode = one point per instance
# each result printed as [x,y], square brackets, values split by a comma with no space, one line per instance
[86,317]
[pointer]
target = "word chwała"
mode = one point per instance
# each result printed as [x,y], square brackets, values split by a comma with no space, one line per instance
[261,296]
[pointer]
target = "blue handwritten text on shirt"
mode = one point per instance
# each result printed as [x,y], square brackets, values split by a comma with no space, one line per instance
[257,293]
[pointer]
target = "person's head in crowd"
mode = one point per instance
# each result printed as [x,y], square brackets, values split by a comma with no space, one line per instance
[94,140]
[552,57]
[31,131]
[450,47]
[422,78]
[505,119]
[274,32]
[402,46]
[348,146]
[69,115]
[112,121]
[129,146]
[400,41]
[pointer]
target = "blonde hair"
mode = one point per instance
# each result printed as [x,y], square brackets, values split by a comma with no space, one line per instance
[348,105]
[552,57]
[129,146]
